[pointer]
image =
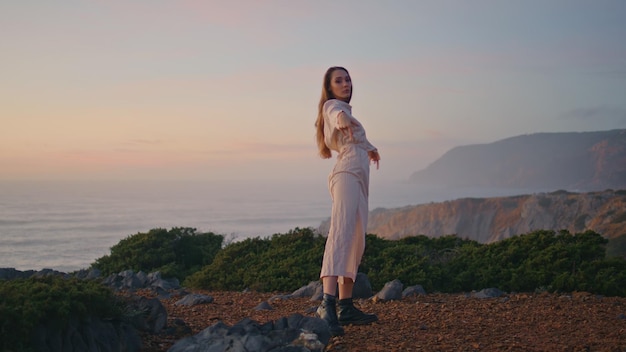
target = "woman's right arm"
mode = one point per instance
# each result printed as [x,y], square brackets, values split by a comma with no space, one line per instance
[339,119]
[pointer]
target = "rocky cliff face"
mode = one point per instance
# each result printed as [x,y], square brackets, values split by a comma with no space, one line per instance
[488,220]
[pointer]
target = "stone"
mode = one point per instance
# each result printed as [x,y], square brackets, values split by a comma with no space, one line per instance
[285,334]
[488,293]
[362,287]
[263,306]
[194,299]
[308,290]
[152,312]
[391,291]
[413,291]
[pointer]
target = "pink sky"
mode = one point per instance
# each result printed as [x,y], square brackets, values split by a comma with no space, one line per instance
[223,90]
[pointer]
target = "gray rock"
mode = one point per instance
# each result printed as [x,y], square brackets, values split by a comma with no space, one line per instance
[264,306]
[413,291]
[488,293]
[284,334]
[194,299]
[279,298]
[128,280]
[319,293]
[143,279]
[49,272]
[362,287]
[150,315]
[12,273]
[155,281]
[391,291]
[93,274]
[88,274]
[308,290]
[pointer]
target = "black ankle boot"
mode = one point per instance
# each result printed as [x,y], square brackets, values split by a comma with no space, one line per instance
[328,312]
[349,314]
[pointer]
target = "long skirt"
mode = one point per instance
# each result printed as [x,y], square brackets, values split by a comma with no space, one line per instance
[348,222]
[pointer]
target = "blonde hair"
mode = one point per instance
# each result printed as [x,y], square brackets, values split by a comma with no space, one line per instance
[327,94]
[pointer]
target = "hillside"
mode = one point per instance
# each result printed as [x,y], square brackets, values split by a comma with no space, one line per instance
[574,161]
[491,219]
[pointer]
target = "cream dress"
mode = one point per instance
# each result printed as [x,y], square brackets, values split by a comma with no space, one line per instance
[348,184]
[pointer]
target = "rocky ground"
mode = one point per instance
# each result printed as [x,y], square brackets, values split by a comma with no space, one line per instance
[434,322]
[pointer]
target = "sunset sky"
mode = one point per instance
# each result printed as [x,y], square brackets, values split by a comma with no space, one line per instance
[213,90]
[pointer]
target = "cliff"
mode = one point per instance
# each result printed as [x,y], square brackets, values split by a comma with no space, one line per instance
[488,220]
[574,161]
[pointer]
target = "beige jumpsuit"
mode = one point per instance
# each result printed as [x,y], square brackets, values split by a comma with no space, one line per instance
[348,184]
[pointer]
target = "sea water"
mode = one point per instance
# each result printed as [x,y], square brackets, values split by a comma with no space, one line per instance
[66,226]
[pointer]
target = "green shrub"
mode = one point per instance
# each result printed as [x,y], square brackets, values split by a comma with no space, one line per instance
[555,261]
[526,262]
[606,277]
[282,262]
[617,247]
[412,260]
[27,303]
[175,253]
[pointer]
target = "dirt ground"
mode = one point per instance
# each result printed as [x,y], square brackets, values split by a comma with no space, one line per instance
[436,322]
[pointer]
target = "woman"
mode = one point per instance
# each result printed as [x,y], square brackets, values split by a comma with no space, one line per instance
[348,183]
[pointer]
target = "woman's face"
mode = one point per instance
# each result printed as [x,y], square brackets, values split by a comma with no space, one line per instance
[341,85]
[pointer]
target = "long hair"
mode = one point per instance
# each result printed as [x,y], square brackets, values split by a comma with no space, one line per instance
[327,94]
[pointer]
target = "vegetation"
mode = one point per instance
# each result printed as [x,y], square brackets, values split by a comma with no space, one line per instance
[28,303]
[279,263]
[540,260]
[412,260]
[546,260]
[617,247]
[175,253]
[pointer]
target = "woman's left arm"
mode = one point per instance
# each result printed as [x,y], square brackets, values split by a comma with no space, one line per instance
[374,157]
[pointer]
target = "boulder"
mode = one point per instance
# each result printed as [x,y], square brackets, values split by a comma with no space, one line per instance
[488,293]
[194,299]
[150,315]
[308,290]
[391,291]
[264,306]
[413,291]
[294,333]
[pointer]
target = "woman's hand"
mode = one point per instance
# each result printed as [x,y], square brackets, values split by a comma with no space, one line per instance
[374,157]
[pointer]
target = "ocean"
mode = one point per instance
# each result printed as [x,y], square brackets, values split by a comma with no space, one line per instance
[66,225]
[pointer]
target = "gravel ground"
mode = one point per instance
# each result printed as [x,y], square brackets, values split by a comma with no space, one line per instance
[435,322]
